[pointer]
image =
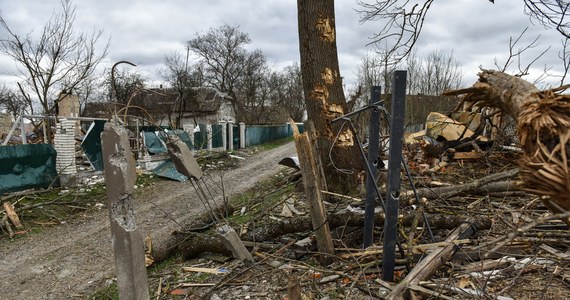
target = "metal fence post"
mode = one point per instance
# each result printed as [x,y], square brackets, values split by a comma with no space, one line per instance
[394,165]
[373,145]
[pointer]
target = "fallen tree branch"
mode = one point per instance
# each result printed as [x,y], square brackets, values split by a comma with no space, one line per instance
[505,239]
[471,188]
[429,265]
[191,245]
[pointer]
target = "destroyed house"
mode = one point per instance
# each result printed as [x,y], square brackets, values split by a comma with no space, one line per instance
[197,106]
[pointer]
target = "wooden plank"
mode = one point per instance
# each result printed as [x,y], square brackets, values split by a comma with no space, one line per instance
[468,155]
[314,197]
[128,245]
[11,213]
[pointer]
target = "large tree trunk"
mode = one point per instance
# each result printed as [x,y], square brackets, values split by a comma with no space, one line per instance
[325,100]
[544,131]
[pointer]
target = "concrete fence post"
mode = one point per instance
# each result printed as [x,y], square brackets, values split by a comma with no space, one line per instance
[224,135]
[128,246]
[189,128]
[209,136]
[23,132]
[242,135]
[231,135]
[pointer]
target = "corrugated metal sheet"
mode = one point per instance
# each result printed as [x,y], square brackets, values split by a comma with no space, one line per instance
[91,145]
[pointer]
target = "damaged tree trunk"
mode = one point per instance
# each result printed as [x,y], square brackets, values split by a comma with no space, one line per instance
[312,184]
[324,96]
[543,119]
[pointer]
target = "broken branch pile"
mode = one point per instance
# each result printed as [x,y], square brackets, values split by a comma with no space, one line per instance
[543,127]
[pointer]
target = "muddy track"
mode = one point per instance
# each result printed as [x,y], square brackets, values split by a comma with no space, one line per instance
[73,260]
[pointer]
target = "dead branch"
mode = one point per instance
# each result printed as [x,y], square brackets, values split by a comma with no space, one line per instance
[192,244]
[505,239]
[486,184]
[429,265]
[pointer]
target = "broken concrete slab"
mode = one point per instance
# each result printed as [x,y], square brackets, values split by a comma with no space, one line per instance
[183,159]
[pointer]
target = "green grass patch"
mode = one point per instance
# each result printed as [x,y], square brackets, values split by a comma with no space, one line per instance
[111,292]
[275,144]
[261,198]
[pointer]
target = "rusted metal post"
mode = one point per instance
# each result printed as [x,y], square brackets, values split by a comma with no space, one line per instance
[128,246]
[394,165]
[373,145]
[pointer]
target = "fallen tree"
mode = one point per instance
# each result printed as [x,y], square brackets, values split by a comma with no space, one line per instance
[485,185]
[543,119]
[193,244]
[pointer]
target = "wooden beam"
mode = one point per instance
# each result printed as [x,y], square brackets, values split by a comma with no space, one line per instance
[311,181]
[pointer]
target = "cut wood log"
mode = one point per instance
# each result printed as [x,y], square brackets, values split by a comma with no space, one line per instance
[467,155]
[487,184]
[201,223]
[11,213]
[431,263]
[294,288]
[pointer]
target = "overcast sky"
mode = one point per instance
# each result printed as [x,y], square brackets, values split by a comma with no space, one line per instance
[144,31]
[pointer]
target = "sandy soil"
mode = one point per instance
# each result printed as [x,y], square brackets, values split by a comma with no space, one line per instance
[73,260]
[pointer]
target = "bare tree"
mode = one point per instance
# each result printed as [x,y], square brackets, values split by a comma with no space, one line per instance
[402,23]
[225,59]
[292,92]
[59,60]
[516,52]
[183,78]
[439,72]
[403,20]
[126,83]
[564,55]
[550,14]
[12,101]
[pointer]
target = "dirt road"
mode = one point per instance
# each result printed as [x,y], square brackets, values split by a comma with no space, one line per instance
[72,261]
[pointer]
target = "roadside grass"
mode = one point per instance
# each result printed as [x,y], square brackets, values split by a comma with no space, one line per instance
[42,209]
[275,144]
